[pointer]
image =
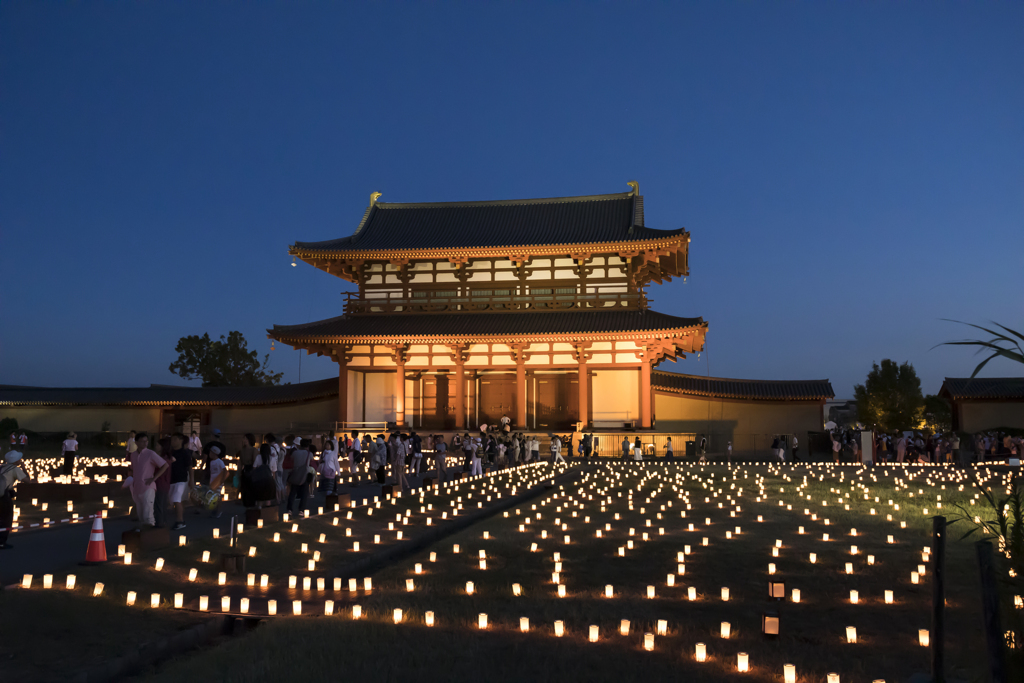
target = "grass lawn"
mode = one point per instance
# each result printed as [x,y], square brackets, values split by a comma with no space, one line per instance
[623,502]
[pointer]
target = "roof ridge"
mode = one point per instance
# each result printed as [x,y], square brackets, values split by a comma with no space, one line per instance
[733,379]
[506,202]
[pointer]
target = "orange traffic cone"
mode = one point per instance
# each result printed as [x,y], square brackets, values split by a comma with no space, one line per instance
[97,550]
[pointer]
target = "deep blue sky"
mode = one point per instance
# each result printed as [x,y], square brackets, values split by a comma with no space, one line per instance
[850,172]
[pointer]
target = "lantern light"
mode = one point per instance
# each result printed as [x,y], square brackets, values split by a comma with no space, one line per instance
[204,603]
[296,607]
[179,600]
[770,624]
[726,629]
[851,634]
[429,618]
[594,632]
[131,598]
[922,637]
[357,611]
[648,641]
[788,673]
[271,607]
[524,624]
[624,627]
[559,629]
[742,662]
[888,597]
[700,652]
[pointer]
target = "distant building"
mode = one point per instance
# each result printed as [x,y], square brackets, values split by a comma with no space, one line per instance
[984,403]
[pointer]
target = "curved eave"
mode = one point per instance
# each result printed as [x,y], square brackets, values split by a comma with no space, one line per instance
[434,339]
[306,252]
[741,397]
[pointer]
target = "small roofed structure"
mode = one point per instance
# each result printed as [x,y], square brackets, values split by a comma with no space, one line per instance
[985,403]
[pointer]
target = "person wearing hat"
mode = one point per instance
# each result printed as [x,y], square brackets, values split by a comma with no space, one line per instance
[10,475]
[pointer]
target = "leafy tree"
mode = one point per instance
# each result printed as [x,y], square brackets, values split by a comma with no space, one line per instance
[1004,344]
[224,363]
[8,425]
[890,397]
[937,413]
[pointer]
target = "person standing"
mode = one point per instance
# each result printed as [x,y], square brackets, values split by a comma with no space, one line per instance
[506,422]
[130,446]
[535,449]
[246,460]
[329,466]
[398,453]
[416,445]
[795,450]
[467,452]
[728,452]
[638,450]
[670,454]
[182,460]
[10,475]
[355,452]
[195,445]
[14,442]
[440,451]
[68,449]
[703,448]
[588,446]
[901,448]
[218,475]
[163,484]
[22,442]
[474,457]
[298,476]
[147,465]
[776,447]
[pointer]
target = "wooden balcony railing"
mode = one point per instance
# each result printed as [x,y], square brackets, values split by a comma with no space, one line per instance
[490,301]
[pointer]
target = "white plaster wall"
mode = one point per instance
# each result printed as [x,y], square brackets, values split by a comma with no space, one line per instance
[615,395]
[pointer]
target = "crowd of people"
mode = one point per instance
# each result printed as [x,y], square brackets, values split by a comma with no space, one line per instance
[919,447]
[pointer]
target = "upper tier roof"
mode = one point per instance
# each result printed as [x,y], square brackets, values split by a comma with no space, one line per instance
[502,223]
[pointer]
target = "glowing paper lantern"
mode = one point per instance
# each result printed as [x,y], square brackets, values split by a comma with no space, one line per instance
[691,593]
[429,618]
[131,598]
[742,662]
[559,629]
[700,652]
[524,624]
[648,641]
[608,591]
[726,629]
[796,595]
[594,632]
[179,600]
[271,607]
[204,603]
[481,620]
[357,611]
[225,603]
[922,637]
[517,590]
[854,597]
[725,594]
[888,597]
[97,590]
[788,673]
[851,634]
[296,607]
[662,627]
[624,627]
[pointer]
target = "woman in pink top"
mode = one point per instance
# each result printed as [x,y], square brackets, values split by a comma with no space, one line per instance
[147,466]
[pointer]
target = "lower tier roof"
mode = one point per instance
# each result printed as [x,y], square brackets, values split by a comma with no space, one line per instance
[749,389]
[486,324]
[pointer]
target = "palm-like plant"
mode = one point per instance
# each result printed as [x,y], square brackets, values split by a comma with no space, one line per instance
[1005,344]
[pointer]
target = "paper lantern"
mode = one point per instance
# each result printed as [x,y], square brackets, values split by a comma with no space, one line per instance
[691,593]
[776,590]
[296,607]
[915,577]
[813,558]
[770,624]
[481,620]
[367,584]
[662,627]
[648,641]
[742,662]
[608,591]
[788,673]
[222,578]
[849,567]
[225,603]
[433,557]
[179,600]
[726,629]
[428,617]
[293,582]
[725,594]
[832,678]
[455,548]
[771,567]
[854,597]
[97,590]
[594,631]
[922,637]
[888,597]
[559,629]
[700,652]
[355,546]
[469,588]
[524,624]
[357,611]
[650,592]
[561,590]
[128,558]
[244,605]
[271,607]
[851,634]
[204,603]
[517,590]
[69,583]
[409,585]
[181,540]
[131,598]
[264,580]
[624,627]
[796,595]
[216,533]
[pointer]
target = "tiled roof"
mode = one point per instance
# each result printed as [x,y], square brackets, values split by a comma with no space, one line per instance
[167,395]
[502,223]
[756,389]
[983,387]
[464,324]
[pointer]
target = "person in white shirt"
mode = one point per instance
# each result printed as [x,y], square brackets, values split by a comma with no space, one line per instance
[556,450]
[129,445]
[356,447]
[329,466]
[68,450]
[474,456]
[194,444]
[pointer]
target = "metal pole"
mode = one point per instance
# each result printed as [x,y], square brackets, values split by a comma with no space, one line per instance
[938,635]
[990,611]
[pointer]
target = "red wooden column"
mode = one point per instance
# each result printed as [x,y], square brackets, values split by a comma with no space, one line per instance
[519,354]
[645,388]
[342,392]
[399,356]
[459,358]
[584,382]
